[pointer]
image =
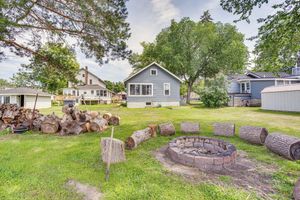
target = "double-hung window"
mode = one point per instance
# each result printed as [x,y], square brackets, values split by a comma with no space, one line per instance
[140,89]
[167,89]
[245,87]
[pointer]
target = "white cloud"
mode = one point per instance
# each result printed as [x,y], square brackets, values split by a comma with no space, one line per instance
[165,10]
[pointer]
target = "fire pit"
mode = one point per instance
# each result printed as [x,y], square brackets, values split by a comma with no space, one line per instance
[205,153]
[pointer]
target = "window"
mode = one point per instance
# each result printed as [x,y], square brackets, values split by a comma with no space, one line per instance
[140,89]
[148,103]
[98,92]
[77,92]
[83,75]
[73,92]
[92,91]
[91,81]
[105,93]
[153,72]
[167,89]
[6,99]
[245,87]
[84,92]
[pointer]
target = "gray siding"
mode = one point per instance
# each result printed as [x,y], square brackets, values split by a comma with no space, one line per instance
[233,87]
[158,86]
[258,86]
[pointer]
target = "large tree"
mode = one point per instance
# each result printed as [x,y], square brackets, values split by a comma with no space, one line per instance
[98,26]
[278,39]
[52,73]
[195,49]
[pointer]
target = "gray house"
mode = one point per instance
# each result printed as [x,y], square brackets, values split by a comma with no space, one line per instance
[152,86]
[245,90]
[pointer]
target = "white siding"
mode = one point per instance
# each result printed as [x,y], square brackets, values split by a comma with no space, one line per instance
[281,101]
[42,102]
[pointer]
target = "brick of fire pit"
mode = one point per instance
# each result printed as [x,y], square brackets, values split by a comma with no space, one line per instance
[224,129]
[190,127]
[297,190]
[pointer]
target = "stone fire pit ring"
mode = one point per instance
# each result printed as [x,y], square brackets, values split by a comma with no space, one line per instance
[206,154]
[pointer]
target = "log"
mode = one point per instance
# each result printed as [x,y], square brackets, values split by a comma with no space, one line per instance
[117,150]
[284,145]
[224,129]
[107,116]
[98,125]
[296,192]
[190,127]
[8,116]
[166,129]
[94,114]
[153,128]
[114,121]
[70,128]
[137,137]
[253,134]
[50,124]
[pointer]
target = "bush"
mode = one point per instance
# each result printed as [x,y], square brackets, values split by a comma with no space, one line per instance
[214,94]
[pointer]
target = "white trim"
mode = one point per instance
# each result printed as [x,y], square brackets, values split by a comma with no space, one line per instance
[130,95]
[135,104]
[154,63]
[153,70]
[268,79]
[247,92]
[169,89]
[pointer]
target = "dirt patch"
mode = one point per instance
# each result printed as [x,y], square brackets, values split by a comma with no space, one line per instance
[247,173]
[88,192]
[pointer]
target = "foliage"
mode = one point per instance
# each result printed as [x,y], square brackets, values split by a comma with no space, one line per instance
[214,94]
[115,86]
[279,35]
[206,17]
[52,73]
[195,49]
[25,79]
[5,83]
[99,27]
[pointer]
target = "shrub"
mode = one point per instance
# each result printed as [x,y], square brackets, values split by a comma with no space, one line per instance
[214,94]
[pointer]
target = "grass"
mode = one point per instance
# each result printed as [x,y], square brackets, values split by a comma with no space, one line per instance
[37,166]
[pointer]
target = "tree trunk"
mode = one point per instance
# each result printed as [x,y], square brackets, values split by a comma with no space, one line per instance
[224,129]
[188,95]
[98,125]
[117,150]
[284,145]
[166,129]
[137,137]
[297,190]
[254,135]
[190,127]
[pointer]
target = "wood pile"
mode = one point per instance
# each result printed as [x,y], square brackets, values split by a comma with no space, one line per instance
[284,145]
[73,122]
[253,134]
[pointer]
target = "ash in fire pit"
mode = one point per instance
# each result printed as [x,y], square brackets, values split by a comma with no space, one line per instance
[205,153]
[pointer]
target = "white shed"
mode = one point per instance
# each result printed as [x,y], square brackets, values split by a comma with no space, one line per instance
[281,98]
[25,97]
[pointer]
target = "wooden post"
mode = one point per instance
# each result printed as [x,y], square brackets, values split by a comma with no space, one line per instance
[109,155]
[33,111]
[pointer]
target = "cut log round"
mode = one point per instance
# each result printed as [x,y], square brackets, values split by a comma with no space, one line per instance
[50,124]
[117,150]
[284,145]
[98,125]
[297,190]
[253,134]
[114,121]
[166,129]
[107,116]
[224,129]
[94,114]
[70,128]
[190,127]
[153,128]
[137,137]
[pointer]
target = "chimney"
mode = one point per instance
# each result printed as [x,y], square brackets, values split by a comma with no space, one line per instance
[86,75]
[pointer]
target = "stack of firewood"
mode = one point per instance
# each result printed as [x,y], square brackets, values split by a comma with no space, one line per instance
[73,122]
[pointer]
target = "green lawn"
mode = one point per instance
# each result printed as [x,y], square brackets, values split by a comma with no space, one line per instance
[37,166]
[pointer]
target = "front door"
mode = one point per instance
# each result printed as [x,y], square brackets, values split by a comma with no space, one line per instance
[22,100]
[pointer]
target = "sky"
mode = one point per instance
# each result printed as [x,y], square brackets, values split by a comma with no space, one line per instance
[147,18]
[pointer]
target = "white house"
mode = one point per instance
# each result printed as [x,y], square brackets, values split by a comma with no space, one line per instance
[25,97]
[90,89]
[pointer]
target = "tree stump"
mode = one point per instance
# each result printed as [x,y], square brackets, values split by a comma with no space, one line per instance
[117,150]
[137,137]
[190,127]
[224,129]
[296,193]
[284,145]
[114,121]
[166,129]
[98,125]
[253,134]
[153,128]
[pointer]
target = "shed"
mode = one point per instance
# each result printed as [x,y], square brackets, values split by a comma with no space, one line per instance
[281,98]
[25,97]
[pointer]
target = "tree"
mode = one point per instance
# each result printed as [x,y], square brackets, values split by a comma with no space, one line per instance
[98,26]
[52,73]
[115,86]
[195,49]
[25,79]
[214,94]
[278,39]
[5,83]
[206,17]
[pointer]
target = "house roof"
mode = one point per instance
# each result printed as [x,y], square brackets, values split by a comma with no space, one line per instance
[267,74]
[23,91]
[154,63]
[282,88]
[93,75]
